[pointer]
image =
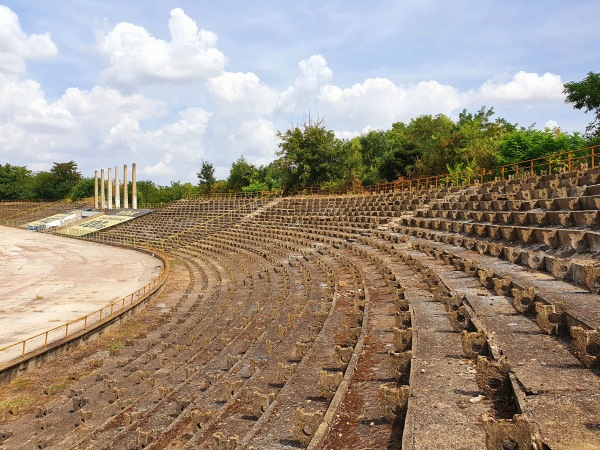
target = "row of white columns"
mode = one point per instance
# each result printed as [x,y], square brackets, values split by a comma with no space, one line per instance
[102,203]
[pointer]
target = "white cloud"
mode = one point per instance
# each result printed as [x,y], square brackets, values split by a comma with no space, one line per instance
[193,122]
[160,168]
[314,73]
[524,86]
[16,46]
[136,57]
[242,93]
[378,102]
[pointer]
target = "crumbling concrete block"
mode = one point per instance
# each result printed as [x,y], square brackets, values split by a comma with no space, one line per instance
[517,433]
[306,424]
[43,424]
[459,318]
[131,416]
[344,354]
[230,387]
[586,345]
[492,376]
[144,437]
[402,338]
[329,382]
[199,418]
[591,277]
[301,349]
[84,416]
[393,401]
[550,318]
[474,344]
[560,268]
[399,362]
[532,259]
[285,372]
[502,285]
[402,319]
[523,300]
[260,402]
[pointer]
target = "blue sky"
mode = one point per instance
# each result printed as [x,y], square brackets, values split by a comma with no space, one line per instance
[167,83]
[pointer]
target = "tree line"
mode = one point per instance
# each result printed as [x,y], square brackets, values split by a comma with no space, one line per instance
[310,155]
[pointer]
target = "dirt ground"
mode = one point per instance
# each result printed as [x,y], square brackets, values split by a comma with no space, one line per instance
[47,280]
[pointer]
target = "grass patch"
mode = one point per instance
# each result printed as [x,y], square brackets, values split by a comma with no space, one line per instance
[21,383]
[115,346]
[13,403]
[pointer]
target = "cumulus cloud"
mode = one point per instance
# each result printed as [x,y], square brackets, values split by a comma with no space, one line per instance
[16,46]
[524,86]
[135,57]
[160,168]
[193,122]
[242,93]
[314,73]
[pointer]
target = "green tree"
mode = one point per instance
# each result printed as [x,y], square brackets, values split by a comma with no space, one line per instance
[241,174]
[83,189]
[480,137]
[527,143]
[206,176]
[435,139]
[42,186]
[65,176]
[57,183]
[375,148]
[15,182]
[147,192]
[585,95]
[401,161]
[310,155]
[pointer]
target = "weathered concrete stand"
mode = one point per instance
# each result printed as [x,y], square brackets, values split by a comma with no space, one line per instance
[102,203]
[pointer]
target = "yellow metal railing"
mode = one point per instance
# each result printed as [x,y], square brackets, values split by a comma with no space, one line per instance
[553,163]
[104,314]
[570,160]
[231,195]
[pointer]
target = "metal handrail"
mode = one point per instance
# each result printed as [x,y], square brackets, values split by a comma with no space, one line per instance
[231,195]
[567,160]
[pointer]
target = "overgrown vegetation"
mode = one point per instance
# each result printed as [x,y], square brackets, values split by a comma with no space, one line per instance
[310,155]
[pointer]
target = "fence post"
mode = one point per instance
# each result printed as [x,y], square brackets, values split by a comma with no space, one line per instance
[532,172]
[593,157]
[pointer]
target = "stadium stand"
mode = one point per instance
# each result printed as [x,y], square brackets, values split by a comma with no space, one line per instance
[449,317]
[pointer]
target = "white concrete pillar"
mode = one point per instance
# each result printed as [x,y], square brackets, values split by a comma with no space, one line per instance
[95,189]
[110,197]
[117,189]
[102,198]
[133,186]
[125,188]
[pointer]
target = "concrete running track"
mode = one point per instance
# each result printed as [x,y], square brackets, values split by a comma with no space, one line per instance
[47,280]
